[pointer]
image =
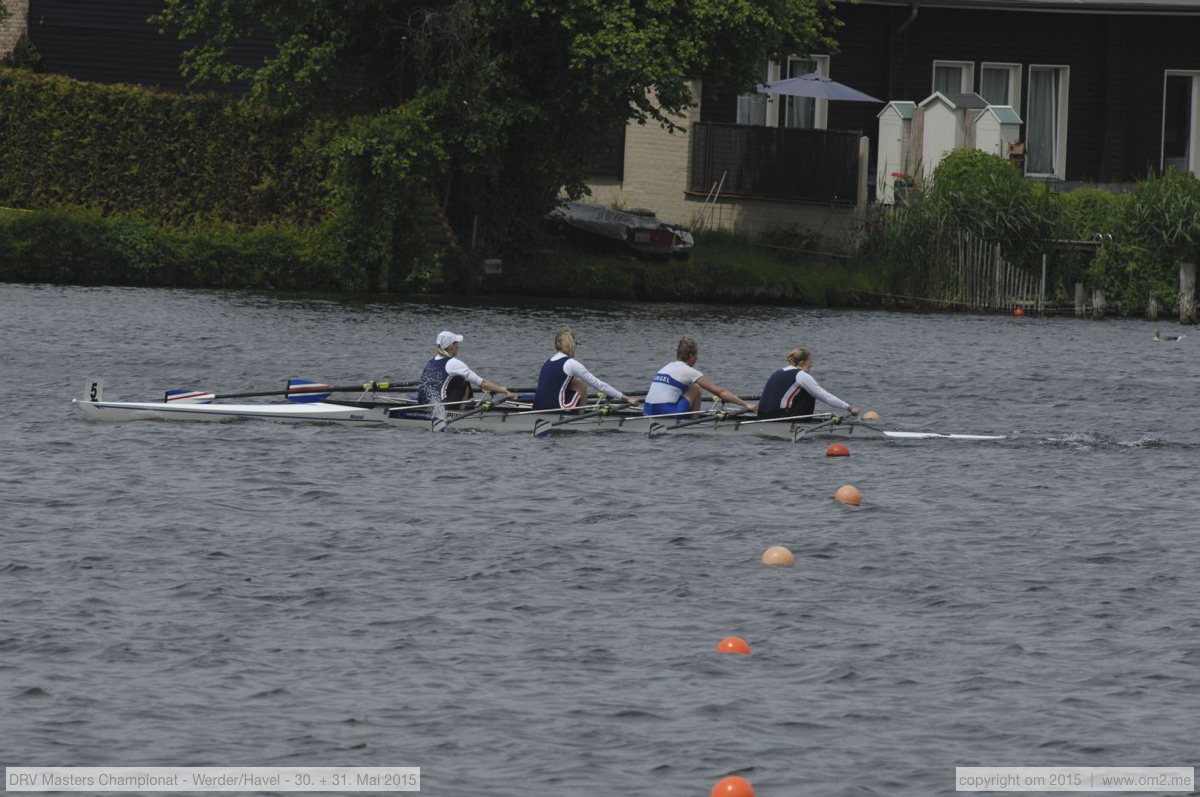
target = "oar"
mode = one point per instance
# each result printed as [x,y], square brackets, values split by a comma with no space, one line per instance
[295,387]
[657,429]
[440,424]
[824,416]
[398,408]
[542,426]
[529,395]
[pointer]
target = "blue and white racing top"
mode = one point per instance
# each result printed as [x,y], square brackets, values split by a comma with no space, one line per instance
[668,385]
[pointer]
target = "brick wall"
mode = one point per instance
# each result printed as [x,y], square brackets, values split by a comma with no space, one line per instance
[17,23]
[656,176]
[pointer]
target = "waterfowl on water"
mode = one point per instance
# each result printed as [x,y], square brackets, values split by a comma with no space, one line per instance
[1166,338]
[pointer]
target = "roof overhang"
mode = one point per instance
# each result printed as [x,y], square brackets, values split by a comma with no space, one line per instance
[1170,7]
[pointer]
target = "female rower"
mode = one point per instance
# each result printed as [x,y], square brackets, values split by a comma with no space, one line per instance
[792,390]
[676,386]
[445,379]
[564,381]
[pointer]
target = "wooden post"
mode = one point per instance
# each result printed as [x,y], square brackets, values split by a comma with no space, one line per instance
[998,288]
[1152,306]
[1098,303]
[1079,299]
[1187,293]
[864,155]
[1042,289]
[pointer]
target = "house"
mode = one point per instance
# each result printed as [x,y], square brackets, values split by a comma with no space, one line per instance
[111,41]
[1104,91]
[1100,91]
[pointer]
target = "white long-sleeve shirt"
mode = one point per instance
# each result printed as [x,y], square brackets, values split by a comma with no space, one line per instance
[575,368]
[805,380]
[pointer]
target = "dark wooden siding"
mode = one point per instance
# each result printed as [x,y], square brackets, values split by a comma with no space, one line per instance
[110,41]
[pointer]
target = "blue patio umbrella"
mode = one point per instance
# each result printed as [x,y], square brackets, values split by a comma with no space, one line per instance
[816,86]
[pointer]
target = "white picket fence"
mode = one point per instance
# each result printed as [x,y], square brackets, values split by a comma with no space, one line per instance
[984,279]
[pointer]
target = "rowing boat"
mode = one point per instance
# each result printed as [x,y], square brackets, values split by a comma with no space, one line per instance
[511,416]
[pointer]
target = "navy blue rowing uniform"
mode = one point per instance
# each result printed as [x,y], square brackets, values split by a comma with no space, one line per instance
[554,386]
[784,397]
[792,391]
[439,385]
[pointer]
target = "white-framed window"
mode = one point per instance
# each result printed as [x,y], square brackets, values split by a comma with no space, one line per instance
[1000,84]
[1180,123]
[770,109]
[752,107]
[1046,121]
[806,112]
[953,77]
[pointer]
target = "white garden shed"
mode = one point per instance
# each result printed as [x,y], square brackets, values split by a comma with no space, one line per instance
[895,131]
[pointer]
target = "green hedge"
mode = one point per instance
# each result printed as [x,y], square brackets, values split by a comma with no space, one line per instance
[1142,236]
[135,186]
[168,157]
[84,247]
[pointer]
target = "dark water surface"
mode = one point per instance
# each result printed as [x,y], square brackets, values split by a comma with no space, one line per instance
[532,617]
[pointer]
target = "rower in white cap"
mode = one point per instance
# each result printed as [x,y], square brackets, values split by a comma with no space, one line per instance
[447,379]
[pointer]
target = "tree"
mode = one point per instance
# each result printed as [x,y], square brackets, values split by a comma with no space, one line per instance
[520,93]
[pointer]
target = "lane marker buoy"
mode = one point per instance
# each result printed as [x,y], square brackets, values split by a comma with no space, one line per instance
[732,786]
[848,494]
[778,555]
[733,644]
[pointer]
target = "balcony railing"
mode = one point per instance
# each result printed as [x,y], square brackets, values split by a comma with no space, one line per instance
[781,163]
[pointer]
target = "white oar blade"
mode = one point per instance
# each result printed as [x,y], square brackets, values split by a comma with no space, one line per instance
[936,435]
[541,427]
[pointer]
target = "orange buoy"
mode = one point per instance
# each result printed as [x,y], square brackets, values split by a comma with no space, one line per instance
[837,450]
[870,415]
[778,555]
[733,644]
[848,494]
[1018,312]
[732,786]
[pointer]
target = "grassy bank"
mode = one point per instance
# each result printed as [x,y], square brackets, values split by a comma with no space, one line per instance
[722,267]
[84,247]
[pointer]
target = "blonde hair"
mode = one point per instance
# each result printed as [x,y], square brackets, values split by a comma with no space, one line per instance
[799,356]
[564,341]
[686,348]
